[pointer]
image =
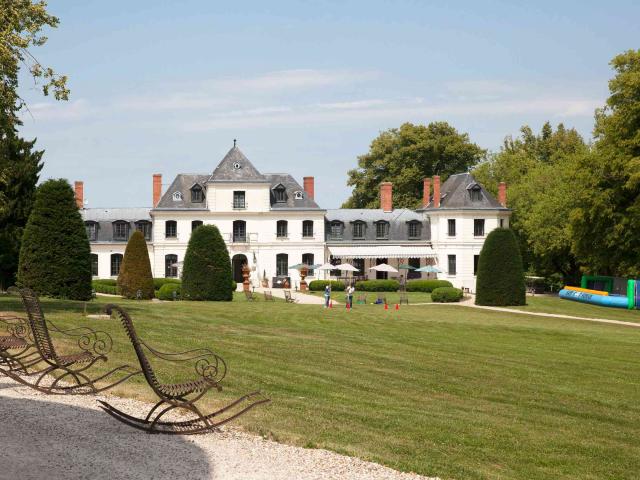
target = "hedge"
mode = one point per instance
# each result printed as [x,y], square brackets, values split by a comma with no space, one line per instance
[159,282]
[426,286]
[104,281]
[166,291]
[100,286]
[500,280]
[319,285]
[378,285]
[446,294]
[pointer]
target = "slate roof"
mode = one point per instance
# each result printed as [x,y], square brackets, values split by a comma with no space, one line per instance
[105,217]
[455,194]
[235,167]
[398,230]
[183,183]
[291,186]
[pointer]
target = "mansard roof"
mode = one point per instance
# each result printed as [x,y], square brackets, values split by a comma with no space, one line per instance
[455,195]
[398,219]
[183,184]
[105,217]
[291,187]
[236,167]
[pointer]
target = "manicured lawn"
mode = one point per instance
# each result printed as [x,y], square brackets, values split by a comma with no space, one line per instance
[440,390]
[553,304]
[392,297]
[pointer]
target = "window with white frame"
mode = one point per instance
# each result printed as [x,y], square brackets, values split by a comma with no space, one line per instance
[170,229]
[478,227]
[116,261]
[452,264]
[281,228]
[307,228]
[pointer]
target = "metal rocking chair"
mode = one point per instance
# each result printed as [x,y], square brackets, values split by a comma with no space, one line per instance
[18,341]
[210,370]
[39,358]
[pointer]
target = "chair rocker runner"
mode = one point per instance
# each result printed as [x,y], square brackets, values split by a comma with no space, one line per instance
[210,370]
[40,358]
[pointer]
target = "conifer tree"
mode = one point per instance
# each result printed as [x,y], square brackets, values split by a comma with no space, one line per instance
[135,271]
[55,257]
[206,274]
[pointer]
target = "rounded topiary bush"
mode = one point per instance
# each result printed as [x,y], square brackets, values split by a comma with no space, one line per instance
[159,282]
[319,285]
[500,280]
[446,294]
[55,256]
[102,287]
[206,274]
[135,273]
[167,290]
[378,285]
[426,286]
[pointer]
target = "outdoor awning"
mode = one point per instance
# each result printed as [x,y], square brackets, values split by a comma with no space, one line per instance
[383,251]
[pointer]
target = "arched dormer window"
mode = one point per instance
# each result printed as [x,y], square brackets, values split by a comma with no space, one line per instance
[382,230]
[336,230]
[144,226]
[177,196]
[92,230]
[280,193]
[197,194]
[359,229]
[414,229]
[120,230]
[475,192]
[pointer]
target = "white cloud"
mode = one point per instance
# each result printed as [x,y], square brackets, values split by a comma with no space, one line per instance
[59,111]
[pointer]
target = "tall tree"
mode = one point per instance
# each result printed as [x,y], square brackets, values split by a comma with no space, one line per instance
[540,170]
[135,279]
[55,256]
[20,168]
[606,223]
[405,156]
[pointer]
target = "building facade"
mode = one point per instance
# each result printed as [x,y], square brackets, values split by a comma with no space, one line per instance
[270,222]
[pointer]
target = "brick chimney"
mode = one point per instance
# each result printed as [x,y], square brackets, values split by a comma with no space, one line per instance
[426,191]
[386,196]
[436,191]
[78,187]
[157,188]
[309,186]
[502,194]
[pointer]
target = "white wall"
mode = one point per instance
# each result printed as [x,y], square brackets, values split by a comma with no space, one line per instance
[220,196]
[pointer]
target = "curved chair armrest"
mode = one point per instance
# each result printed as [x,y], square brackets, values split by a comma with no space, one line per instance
[89,340]
[207,364]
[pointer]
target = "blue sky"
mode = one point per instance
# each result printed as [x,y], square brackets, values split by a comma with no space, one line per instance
[305,86]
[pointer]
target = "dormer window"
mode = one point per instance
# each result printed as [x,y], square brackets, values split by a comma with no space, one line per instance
[382,230]
[92,230]
[120,230]
[144,226]
[177,196]
[414,229]
[359,228]
[197,194]
[280,193]
[475,192]
[336,229]
[298,195]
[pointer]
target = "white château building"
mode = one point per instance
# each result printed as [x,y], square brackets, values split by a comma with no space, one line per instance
[271,222]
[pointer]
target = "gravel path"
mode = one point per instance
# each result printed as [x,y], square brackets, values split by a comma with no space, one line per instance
[69,437]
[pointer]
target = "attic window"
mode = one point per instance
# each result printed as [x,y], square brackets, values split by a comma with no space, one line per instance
[177,196]
[475,192]
[237,166]
[298,195]
[280,193]
[197,194]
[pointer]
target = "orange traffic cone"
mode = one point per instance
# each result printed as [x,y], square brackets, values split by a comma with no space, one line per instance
[386,306]
[348,307]
[330,303]
[397,307]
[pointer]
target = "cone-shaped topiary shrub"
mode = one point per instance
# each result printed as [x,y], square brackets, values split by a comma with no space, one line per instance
[500,280]
[206,273]
[135,271]
[55,257]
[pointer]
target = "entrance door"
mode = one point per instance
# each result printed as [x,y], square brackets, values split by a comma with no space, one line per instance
[236,263]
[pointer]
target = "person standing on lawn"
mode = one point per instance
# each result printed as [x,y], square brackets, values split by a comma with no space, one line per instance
[350,291]
[327,296]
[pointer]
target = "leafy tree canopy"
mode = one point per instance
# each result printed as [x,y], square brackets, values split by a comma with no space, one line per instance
[21,24]
[405,156]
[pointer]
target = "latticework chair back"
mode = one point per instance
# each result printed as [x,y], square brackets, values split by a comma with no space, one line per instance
[38,324]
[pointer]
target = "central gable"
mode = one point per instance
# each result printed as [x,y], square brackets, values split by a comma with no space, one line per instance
[236,167]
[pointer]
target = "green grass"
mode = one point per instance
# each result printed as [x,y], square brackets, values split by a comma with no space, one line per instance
[440,390]
[553,304]
[392,297]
